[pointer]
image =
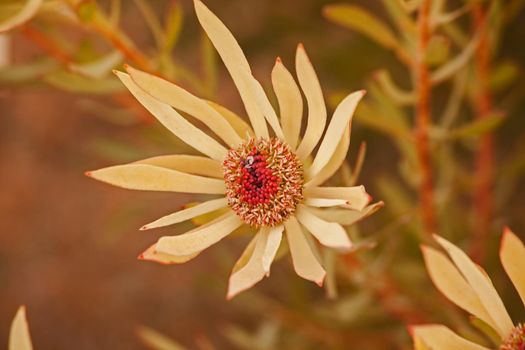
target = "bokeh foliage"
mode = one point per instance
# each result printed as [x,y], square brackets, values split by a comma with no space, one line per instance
[372,294]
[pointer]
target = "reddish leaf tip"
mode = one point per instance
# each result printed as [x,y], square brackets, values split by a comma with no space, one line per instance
[88,173]
[424,248]
[321,281]
[410,329]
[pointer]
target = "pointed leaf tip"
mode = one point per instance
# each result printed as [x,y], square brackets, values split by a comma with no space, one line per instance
[321,281]
[19,337]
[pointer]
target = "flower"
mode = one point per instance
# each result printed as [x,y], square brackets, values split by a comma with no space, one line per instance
[268,182]
[469,287]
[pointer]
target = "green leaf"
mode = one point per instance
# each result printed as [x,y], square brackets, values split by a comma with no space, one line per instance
[87,11]
[330,264]
[157,341]
[360,20]
[173,26]
[18,74]
[115,151]
[240,338]
[370,116]
[79,84]
[438,50]
[152,22]
[390,88]
[391,191]
[12,17]
[400,16]
[439,17]
[503,75]
[100,67]
[451,67]
[477,127]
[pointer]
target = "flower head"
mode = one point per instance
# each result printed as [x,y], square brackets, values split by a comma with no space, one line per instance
[267,179]
[468,286]
[264,181]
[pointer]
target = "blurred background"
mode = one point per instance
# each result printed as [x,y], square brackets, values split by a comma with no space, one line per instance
[69,245]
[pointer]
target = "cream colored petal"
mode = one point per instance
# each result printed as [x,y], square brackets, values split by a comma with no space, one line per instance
[335,162]
[290,102]
[189,213]
[184,101]
[512,255]
[275,235]
[19,338]
[196,165]
[28,10]
[153,178]
[438,337]
[329,234]
[241,127]
[304,261]
[236,63]
[151,254]
[174,122]
[266,107]
[323,202]
[252,271]
[315,100]
[356,196]
[486,292]
[201,237]
[246,254]
[341,119]
[449,281]
[346,216]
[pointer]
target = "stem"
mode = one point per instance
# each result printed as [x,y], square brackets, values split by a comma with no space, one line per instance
[104,26]
[422,120]
[125,46]
[484,154]
[46,44]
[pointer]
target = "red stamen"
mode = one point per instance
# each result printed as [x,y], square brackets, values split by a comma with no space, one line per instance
[254,175]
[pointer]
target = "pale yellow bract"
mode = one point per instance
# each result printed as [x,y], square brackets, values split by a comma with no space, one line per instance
[466,284]
[321,213]
[19,338]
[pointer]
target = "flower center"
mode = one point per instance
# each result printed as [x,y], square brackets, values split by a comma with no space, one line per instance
[264,181]
[516,339]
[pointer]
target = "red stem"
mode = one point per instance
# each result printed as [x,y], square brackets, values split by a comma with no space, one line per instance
[484,154]
[422,120]
[46,43]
